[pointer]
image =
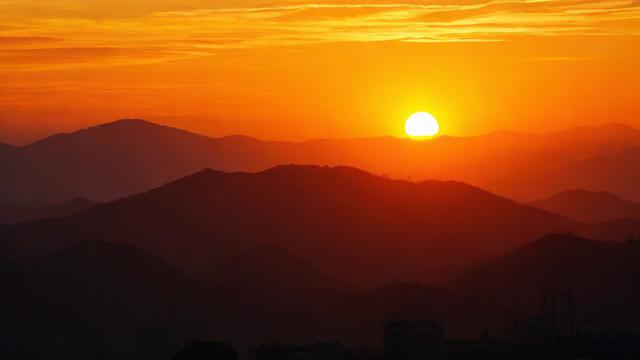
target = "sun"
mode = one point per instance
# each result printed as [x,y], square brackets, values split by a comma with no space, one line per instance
[421,124]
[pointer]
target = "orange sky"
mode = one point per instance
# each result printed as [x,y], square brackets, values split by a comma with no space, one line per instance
[307,69]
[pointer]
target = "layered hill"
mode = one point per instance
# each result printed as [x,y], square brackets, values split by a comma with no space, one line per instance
[601,275]
[17,214]
[617,173]
[125,157]
[590,206]
[5,147]
[278,275]
[113,160]
[95,298]
[348,223]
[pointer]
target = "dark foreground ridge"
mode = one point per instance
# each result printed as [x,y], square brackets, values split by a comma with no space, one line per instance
[298,253]
[101,300]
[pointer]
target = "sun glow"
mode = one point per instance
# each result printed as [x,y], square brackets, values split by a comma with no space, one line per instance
[421,124]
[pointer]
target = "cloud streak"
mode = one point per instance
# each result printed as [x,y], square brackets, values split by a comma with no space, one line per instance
[100,32]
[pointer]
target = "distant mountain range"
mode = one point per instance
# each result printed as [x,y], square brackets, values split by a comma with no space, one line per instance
[590,206]
[125,157]
[363,229]
[257,250]
[617,173]
[17,214]
[113,160]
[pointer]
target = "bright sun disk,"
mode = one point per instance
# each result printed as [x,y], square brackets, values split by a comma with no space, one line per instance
[421,124]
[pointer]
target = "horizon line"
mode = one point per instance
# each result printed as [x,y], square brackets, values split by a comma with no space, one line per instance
[309,140]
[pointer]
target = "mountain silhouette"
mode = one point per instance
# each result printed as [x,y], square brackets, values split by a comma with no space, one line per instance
[4,148]
[601,275]
[93,299]
[17,214]
[93,295]
[583,142]
[590,206]
[109,161]
[96,297]
[363,229]
[278,275]
[616,173]
[125,157]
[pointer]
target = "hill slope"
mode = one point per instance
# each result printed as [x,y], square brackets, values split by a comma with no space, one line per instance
[94,296]
[590,206]
[125,157]
[276,274]
[348,223]
[602,277]
[5,147]
[101,298]
[18,214]
[114,160]
[617,173]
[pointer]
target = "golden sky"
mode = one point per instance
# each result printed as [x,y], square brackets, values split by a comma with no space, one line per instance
[312,69]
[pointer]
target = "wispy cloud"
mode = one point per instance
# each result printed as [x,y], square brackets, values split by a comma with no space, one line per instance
[101,32]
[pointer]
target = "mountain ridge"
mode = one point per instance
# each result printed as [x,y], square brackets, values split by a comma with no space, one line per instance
[615,172]
[590,206]
[125,157]
[139,121]
[334,218]
[17,214]
[600,274]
